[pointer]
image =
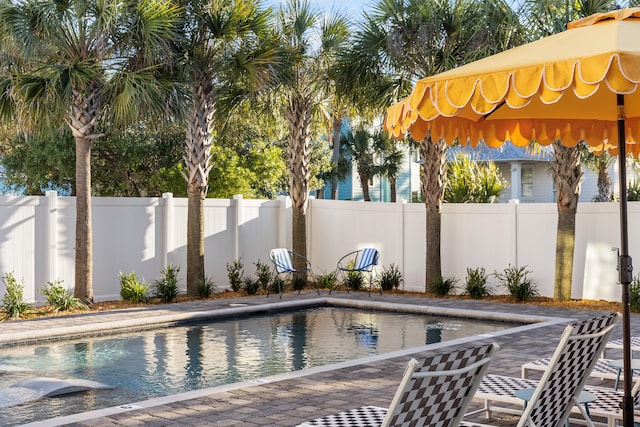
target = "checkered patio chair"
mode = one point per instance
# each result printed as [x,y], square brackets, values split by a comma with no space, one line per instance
[435,391]
[556,394]
[284,263]
[362,261]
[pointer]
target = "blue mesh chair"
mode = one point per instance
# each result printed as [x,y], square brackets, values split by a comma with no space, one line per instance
[284,262]
[362,261]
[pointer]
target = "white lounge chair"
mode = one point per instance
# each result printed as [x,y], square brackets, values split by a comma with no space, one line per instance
[557,393]
[603,369]
[435,391]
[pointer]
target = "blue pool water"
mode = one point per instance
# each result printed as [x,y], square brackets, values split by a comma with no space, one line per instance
[176,359]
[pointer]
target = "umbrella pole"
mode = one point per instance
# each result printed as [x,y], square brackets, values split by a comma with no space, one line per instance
[625,270]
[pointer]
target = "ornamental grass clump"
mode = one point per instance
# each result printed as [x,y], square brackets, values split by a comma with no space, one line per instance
[133,290]
[518,283]
[476,283]
[61,299]
[442,286]
[390,278]
[166,288]
[13,302]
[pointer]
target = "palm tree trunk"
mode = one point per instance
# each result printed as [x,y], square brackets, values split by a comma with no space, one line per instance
[604,184]
[433,179]
[82,120]
[195,238]
[197,158]
[393,184]
[364,182]
[568,175]
[84,238]
[335,158]
[298,115]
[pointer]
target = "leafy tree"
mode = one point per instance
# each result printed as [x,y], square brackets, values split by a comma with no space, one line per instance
[80,62]
[471,181]
[36,163]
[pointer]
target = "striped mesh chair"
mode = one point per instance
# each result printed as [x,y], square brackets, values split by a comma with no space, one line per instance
[358,262]
[434,391]
[284,262]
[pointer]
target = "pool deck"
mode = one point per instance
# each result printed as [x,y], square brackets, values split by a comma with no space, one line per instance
[289,399]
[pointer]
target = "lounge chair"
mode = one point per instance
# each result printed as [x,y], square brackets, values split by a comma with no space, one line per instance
[284,262]
[362,261]
[603,369]
[557,393]
[435,391]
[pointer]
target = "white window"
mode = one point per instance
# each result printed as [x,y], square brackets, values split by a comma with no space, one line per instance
[527,182]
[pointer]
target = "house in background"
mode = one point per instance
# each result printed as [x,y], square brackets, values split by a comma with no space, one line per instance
[528,176]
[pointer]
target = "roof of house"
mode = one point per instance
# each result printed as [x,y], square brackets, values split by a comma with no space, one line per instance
[505,153]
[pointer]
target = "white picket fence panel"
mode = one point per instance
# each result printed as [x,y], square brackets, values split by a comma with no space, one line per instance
[37,238]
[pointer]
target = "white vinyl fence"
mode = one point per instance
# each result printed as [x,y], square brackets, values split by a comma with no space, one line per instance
[146,234]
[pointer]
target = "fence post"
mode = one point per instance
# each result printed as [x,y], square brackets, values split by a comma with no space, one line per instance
[237,198]
[167,229]
[401,203]
[52,234]
[282,222]
[513,231]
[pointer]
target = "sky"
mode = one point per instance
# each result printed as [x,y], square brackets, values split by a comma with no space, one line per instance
[351,7]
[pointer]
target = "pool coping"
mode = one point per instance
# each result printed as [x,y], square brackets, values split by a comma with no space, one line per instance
[529,322]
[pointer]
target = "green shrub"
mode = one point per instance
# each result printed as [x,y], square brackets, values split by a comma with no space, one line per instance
[476,283]
[60,298]
[273,287]
[441,286]
[516,280]
[167,287]
[634,294]
[235,270]
[132,290]
[354,280]
[13,302]
[251,286]
[263,274]
[390,278]
[326,280]
[206,287]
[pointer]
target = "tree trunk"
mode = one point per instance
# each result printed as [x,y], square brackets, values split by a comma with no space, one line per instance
[393,184]
[82,120]
[298,116]
[84,238]
[336,130]
[604,183]
[568,176]
[433,179]
[364,182]
[197,158]
[195,239]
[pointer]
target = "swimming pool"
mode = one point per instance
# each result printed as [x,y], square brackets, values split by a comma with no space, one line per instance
[176,359]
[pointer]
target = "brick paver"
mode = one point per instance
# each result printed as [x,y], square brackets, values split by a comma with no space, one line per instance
[291,401]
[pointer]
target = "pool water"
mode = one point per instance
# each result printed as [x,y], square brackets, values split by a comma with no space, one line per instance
[177,359]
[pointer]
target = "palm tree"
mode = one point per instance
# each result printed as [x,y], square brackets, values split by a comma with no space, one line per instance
[227,55]
[391,156]
[82,61]
[404,40]
[359,146]
[546,17]
[599,164]
[312,41]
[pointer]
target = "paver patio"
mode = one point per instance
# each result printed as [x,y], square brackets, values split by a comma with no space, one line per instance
[293,400]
